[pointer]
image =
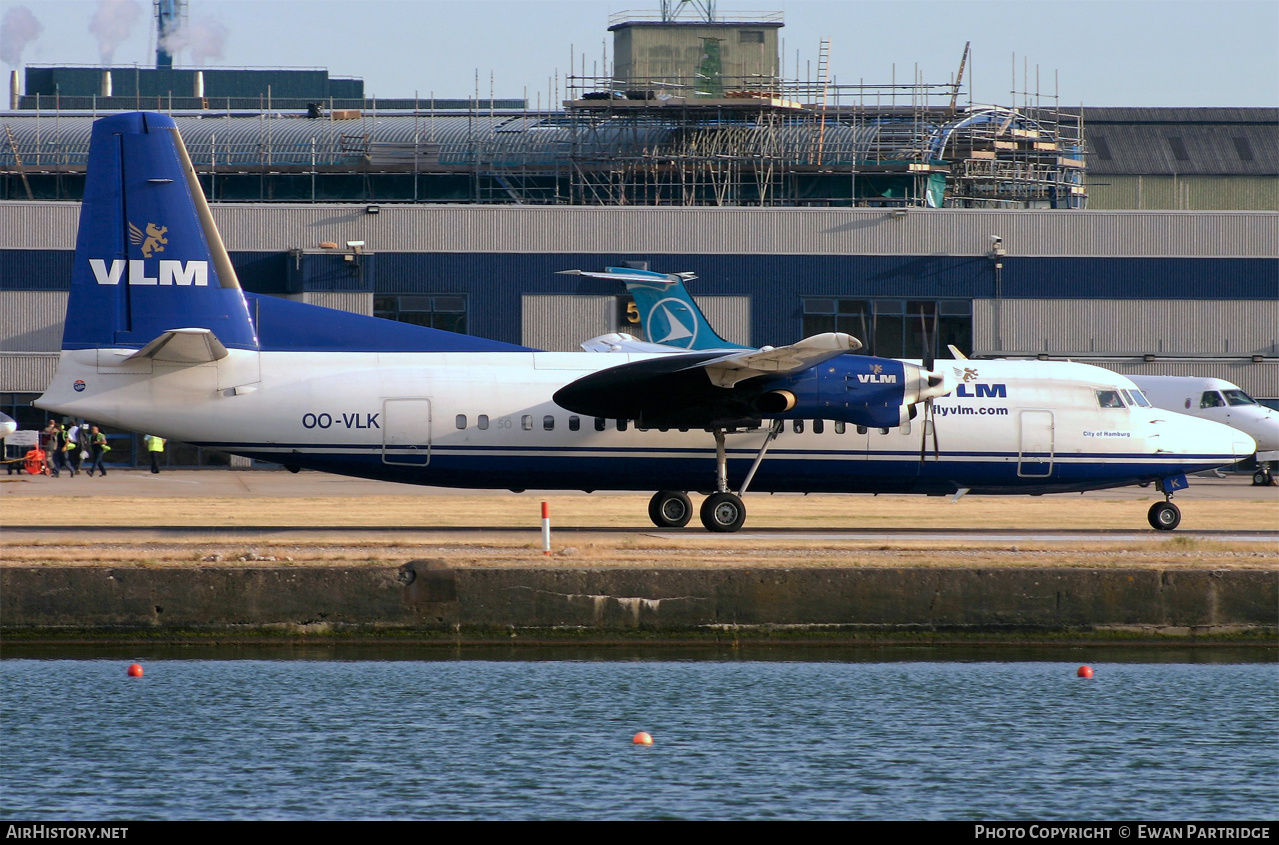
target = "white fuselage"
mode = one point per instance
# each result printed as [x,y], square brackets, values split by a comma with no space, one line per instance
[1217,400]
[488,420]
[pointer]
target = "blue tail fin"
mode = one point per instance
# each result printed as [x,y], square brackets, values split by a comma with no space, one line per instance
[148,257]
[667,313]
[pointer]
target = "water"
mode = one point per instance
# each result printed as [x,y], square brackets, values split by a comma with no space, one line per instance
[551,739]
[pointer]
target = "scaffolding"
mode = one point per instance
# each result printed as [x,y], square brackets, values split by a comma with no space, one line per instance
[752,141]
[746,141]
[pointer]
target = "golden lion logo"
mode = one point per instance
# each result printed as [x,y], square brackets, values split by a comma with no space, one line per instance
[152,241]
[969,373]
[877,368]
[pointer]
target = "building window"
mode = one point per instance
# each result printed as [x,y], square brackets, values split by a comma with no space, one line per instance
[437,311]
[750,36]
[894,328]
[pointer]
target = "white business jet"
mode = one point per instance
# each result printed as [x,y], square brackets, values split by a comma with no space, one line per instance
[1220,401]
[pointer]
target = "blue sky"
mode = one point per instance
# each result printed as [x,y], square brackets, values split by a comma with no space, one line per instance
[1150,53]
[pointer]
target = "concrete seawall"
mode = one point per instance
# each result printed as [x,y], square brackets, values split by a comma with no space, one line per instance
[430,600]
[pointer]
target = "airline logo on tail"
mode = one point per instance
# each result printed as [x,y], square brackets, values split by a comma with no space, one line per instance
[672,322]
[152,241]
[184,273]
[165,271]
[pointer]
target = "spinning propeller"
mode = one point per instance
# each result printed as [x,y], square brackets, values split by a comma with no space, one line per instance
[928,423]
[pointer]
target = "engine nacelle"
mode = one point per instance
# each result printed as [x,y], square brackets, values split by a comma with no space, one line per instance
[776,402]
[857,389]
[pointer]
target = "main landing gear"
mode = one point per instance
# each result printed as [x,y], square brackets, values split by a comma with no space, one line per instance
[722,511]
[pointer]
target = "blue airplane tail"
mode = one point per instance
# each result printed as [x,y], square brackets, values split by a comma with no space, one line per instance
[148,257]
[149,263]
[667,313]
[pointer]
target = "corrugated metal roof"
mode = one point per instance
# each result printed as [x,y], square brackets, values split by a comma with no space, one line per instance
[1182,141]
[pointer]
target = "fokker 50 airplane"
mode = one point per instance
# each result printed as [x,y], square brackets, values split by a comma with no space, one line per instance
[160,338]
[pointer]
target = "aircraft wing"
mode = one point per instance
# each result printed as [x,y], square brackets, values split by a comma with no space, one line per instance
[782,360]
[696,389]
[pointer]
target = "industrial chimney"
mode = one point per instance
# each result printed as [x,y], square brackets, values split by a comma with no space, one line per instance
[14,90]
[170,15]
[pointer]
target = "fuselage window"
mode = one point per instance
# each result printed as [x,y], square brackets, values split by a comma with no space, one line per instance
[460,422]
[600,423]
[482,422]
[1211,399]
[621,425]
[548,422]
[1238,397]
[1109,399]
[904,428]
[861,429]
[574,423]
[526,422]
[839,426]
[798,426]
[819,426]
[883,431]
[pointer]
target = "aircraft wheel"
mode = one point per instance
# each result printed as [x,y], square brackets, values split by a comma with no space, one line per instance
[670,509]
[1164,516]
[723,512]
[1260,478]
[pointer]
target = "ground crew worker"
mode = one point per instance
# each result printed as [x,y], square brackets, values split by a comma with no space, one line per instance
[155,445]
[97,447]
[66,446]
[49,444]
[76,437]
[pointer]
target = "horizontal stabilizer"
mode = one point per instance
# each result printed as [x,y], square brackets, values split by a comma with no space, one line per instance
[623,342]
[616,274]
[782,360]
[183,346]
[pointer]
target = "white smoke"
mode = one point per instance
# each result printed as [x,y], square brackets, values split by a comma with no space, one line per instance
[204,38]
[111,24]
[18,29]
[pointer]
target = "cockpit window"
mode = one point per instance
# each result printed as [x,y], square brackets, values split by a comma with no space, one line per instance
[1238,397]
[1109,399]
[1137,397]
[1212,399]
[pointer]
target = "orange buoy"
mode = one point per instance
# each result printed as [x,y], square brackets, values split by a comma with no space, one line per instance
[1084,672]
[642,738]
[135,670]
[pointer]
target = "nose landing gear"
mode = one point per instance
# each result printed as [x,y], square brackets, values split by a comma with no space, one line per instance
[1164,516]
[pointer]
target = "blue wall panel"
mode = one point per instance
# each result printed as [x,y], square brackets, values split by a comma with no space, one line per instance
[495,282]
